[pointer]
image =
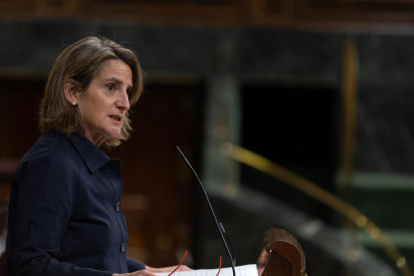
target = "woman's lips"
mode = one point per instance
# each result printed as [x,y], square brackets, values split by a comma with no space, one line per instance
[116,118]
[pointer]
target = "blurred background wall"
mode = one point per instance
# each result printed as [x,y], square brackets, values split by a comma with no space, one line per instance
[323,88]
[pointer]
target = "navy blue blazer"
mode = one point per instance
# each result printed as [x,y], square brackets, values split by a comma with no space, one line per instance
[65,214]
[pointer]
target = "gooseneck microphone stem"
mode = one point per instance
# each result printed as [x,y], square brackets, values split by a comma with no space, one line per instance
[219,225]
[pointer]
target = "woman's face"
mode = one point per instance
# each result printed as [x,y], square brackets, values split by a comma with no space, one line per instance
[104,104]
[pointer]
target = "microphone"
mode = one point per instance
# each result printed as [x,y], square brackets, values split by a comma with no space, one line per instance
[220,227]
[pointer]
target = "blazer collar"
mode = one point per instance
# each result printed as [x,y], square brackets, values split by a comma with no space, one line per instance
[93,157]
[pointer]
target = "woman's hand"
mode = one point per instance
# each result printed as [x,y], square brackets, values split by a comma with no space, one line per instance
[166,269]
[136,273]
[149,271]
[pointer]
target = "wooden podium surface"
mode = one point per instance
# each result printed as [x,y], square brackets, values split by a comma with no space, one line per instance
[282,255]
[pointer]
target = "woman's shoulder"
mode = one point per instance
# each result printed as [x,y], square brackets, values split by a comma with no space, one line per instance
[52,148]
[50,162]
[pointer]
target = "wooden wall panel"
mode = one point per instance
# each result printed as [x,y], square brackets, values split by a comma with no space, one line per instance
[182,11]
[175,2]
[380,11]
[272,12]
[217,12]
[13,6]
[18,117]
[274,6]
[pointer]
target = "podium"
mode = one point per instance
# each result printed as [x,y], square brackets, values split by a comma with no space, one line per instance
[282,255]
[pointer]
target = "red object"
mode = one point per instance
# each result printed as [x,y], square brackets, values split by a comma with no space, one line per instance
[182,260]
[219,267]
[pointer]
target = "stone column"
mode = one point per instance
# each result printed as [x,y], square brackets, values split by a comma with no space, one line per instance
[222,124]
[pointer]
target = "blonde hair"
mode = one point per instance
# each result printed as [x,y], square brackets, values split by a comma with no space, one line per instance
[81,62]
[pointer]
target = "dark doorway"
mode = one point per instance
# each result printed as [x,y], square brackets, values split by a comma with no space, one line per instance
[295,127]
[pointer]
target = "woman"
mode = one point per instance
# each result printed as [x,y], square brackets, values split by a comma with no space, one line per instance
[65,213]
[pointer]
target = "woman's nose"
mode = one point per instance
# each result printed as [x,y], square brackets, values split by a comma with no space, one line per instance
[123,101]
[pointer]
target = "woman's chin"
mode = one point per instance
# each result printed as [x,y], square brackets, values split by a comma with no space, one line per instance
[114,133]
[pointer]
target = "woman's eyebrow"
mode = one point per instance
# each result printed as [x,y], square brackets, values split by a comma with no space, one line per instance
[113,80]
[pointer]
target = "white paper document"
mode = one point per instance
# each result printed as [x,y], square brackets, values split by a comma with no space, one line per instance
[244,270]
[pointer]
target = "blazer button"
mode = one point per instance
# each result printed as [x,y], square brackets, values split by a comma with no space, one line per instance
[123,246]
[117,206]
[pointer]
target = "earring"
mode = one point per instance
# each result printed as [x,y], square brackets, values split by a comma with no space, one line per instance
[73,103]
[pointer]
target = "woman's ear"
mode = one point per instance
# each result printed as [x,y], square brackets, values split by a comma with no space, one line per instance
[72,92]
